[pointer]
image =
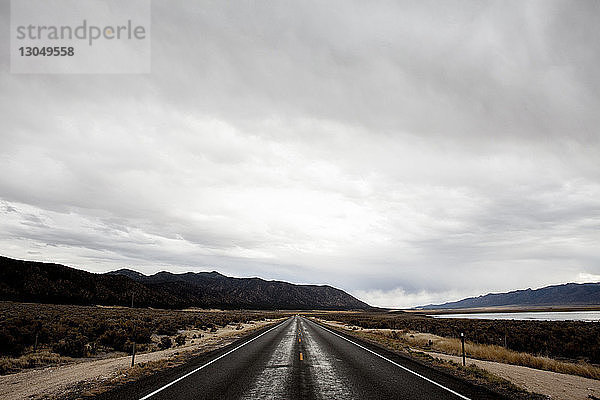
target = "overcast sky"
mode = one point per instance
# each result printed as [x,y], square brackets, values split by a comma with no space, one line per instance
[407,152]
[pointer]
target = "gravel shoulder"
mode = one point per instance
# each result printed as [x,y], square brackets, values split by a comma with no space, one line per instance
[59,381]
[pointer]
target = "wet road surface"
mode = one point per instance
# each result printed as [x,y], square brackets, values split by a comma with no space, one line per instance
[300,359]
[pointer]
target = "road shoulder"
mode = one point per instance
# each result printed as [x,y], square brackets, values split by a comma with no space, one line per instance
[553,384]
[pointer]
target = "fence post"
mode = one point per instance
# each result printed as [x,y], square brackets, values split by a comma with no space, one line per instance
[462,339]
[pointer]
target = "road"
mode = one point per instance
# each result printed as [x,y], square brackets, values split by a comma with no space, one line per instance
[300,359]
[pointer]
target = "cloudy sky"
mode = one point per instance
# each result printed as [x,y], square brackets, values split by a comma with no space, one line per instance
[407,152]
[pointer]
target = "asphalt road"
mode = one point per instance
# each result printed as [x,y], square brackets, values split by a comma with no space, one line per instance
[300,359]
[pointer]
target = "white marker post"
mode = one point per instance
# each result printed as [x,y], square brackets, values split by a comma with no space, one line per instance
[462,339]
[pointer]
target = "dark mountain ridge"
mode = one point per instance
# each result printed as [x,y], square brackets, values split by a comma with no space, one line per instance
[38,282]
[574,294]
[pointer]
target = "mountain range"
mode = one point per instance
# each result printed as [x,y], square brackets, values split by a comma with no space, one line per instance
[30,281]
[569,294]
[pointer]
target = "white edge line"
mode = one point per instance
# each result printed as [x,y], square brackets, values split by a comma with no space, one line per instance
[395,363]
[210,362]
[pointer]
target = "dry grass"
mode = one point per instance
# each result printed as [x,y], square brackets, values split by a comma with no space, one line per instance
[493,353]
[91,389]
[31,360]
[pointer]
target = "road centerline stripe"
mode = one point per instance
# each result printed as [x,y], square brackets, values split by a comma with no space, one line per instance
[210,362]
[395,363]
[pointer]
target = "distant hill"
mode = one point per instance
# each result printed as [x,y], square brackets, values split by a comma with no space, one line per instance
[30,281]
[212,289]
[557,295]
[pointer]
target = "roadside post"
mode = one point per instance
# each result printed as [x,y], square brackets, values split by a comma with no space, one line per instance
[133,350]
[133,354]
[462,339]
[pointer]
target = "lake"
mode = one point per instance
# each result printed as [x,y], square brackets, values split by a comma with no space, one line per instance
[588,316]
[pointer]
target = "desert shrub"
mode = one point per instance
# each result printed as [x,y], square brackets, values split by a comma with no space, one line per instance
[180,340]
[71,346]
[9,345]
[111,328]
[143,336]
[115,338]
[165,342]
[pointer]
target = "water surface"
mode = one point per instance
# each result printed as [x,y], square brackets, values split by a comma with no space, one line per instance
[588,316]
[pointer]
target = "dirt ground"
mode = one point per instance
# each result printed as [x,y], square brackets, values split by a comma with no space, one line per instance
[552,384]
[51,382]
[556,386]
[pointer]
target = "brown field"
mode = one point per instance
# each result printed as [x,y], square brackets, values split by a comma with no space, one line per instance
[87,377]
[34,335]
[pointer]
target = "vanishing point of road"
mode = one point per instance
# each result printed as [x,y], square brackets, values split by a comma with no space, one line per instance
[301,359]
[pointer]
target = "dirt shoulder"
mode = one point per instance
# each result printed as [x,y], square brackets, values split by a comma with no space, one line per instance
[95,375]
[556,386]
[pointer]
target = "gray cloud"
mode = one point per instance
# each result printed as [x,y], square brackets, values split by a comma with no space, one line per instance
[408,152]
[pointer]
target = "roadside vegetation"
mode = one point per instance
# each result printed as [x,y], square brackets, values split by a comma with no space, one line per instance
[452,346]
[33,335]
[563,340]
